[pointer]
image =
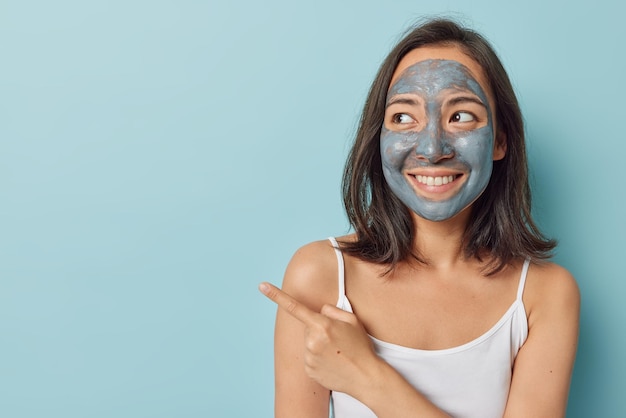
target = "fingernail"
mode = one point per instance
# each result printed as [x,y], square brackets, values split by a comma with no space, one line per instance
[264,288]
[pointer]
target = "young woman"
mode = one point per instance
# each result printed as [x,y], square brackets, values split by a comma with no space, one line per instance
[441,303]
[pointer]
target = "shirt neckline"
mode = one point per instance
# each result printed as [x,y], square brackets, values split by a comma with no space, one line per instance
[384,345]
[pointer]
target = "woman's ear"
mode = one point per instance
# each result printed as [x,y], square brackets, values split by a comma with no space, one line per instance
[499,146]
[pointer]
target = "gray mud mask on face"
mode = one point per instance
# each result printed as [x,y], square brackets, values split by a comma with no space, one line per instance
[470,151]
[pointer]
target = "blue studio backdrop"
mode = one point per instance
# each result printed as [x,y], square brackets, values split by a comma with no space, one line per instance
[158,159]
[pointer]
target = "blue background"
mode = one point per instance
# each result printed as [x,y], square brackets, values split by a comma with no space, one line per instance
[158,159]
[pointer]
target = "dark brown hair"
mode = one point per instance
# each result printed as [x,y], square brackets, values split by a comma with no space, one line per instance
[500,225]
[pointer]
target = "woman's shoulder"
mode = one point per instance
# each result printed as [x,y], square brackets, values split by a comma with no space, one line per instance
[551,277]
[312,274]
[550,288]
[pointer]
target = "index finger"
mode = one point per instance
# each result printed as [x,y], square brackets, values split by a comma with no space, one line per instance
[289,304]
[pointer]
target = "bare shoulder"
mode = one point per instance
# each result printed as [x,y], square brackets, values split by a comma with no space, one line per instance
[551,288]
[553,279]
[311,275]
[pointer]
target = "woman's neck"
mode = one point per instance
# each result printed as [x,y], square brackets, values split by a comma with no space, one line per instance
[440,243]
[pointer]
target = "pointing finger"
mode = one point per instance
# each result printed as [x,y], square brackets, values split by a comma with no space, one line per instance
[334,312]
[289,304]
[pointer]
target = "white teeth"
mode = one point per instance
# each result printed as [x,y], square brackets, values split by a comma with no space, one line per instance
[434,181]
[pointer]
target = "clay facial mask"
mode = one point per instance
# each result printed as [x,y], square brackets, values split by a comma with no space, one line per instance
[437,139]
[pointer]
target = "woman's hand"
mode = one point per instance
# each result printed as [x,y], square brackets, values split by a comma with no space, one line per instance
[338,352]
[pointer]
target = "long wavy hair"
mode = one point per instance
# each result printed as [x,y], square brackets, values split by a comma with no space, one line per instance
[500,228]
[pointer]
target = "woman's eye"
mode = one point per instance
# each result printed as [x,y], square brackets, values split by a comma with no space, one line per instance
[462,117]
[402,118]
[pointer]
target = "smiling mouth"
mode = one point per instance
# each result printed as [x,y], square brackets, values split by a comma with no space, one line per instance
[435,181]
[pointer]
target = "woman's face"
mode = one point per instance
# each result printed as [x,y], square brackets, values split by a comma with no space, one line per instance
[438,138]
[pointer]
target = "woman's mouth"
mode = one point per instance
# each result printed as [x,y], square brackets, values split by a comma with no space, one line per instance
[435,181]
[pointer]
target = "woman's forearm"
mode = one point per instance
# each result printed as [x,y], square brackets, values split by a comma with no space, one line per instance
[389,395]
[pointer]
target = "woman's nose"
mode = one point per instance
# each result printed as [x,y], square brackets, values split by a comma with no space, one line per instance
[432,145]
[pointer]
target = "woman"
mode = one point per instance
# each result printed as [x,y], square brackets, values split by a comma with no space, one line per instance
[441,303]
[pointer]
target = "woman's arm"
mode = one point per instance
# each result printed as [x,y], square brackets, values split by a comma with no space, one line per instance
[319,347]
[543,367]
[309,278]
[338,354]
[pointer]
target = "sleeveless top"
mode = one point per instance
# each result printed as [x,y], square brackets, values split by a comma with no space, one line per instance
[468,381]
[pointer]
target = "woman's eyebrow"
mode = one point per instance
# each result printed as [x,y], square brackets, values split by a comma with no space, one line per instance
[464,99]
[403,100]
